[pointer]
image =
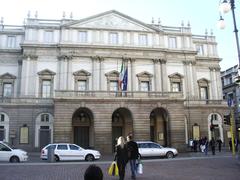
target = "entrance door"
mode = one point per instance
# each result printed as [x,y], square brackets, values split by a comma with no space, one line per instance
[81,136]
[116,133]
[152,133]
[45,136]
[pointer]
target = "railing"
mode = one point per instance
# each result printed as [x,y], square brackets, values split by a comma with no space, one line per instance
[117,94]
[62,94]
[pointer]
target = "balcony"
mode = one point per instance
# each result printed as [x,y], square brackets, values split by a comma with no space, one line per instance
[116,94]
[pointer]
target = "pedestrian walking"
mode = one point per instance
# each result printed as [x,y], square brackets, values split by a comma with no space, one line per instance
[212,144]
[195,143]
[133,155]
[121,156]
[205,141]
[219,142]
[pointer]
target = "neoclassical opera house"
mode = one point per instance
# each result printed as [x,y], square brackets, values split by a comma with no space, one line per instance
[91,80]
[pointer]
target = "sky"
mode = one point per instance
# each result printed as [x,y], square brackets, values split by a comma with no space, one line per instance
[202,15]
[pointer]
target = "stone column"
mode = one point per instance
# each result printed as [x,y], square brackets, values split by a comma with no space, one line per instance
[186,75]
[156,75]
[133,74]
[194,80]
[28,75]
[163,75]
[219,83]
[63,72]
[69,73]
[191,80]
[212,83]
[130,81]
[101,73]
[93,73]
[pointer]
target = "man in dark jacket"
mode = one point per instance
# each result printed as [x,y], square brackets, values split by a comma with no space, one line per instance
[133,154]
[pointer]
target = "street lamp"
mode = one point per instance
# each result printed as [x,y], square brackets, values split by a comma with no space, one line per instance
[224,7]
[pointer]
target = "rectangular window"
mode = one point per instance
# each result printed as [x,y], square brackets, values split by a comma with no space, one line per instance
[203,93]
[46,88]
[7,89]
[142,39]
[44,118]
[82,85]
[113,85]
[176,87]
[200,50]
[144,86]
[113,38]
[48,36]
[2,117]
[172,42]
[11,41]
[82,36]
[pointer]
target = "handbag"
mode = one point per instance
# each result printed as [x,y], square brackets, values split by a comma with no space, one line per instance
[113,169]
[139,167]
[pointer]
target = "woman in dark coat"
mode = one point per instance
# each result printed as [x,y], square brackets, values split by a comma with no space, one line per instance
[121,156]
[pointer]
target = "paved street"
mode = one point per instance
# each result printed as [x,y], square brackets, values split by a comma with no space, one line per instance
[192,166]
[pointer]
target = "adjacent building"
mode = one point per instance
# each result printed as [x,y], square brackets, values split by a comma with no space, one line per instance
[91,80]
[231,93]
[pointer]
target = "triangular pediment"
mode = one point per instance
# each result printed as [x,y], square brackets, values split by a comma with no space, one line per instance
[7,76]
[113,73]
[112,20]
[203,80]
[81,73]
[175,75]
[46,72]
[144,74]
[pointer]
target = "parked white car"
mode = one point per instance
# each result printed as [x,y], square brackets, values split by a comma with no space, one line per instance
[12,155]
[152,149]
[68,152]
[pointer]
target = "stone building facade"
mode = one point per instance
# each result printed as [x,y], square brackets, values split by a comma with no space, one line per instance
[60,82]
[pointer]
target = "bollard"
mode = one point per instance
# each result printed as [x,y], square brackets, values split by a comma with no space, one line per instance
[50,154]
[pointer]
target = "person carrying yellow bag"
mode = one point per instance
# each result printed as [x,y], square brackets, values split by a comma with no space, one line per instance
[113,169]
[121,157]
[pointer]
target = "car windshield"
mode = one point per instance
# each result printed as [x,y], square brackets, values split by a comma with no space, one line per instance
[8,144]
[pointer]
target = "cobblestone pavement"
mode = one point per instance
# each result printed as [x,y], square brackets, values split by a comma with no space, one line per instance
[192,166]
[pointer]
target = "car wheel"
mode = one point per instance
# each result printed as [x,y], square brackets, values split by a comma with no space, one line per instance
[56,158]
[169,155]
[89,157]
[14,159]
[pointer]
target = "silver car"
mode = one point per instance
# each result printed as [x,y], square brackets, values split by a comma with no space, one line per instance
[69,152]
[12,155]
[152,149]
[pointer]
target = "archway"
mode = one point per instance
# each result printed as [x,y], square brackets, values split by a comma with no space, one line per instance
[82,122]
[43,130]
[4,127]
[122,124]
[159,126]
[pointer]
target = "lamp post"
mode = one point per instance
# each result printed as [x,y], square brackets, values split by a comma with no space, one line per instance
[225,7]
